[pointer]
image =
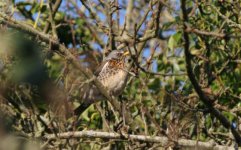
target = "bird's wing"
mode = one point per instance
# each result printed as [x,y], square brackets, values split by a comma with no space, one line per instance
[100,68]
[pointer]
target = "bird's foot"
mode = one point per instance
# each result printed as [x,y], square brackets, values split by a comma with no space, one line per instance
[124,131]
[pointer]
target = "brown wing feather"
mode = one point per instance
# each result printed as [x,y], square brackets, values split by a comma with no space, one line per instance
[99,68]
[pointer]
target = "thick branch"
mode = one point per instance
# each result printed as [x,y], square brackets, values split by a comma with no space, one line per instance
[163,141]
[205,99]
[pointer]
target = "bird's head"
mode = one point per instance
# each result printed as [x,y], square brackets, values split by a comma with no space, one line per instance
[117,58]
[117,55]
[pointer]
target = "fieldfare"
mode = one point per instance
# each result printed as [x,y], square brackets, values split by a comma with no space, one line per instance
[112,73]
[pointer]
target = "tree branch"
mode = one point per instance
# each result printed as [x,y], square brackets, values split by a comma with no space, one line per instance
[150,139]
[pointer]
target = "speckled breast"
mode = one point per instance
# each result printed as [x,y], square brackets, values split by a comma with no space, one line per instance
[113,77]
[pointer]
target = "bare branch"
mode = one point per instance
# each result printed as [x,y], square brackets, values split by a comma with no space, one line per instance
[150,139]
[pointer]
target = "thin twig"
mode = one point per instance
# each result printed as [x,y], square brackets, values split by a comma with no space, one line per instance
[232,23]
[54,10]
[51,17]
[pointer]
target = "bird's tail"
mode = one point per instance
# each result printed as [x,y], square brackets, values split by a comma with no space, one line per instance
[80,109]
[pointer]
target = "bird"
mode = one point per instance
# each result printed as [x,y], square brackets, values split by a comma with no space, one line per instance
[112,73]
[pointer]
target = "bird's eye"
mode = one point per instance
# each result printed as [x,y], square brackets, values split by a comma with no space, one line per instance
[128,60]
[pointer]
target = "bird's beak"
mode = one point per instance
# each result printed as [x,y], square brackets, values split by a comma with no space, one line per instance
[126,53]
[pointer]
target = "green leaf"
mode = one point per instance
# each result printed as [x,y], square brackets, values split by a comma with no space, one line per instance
[195,52]
[155,84]
[174,40]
